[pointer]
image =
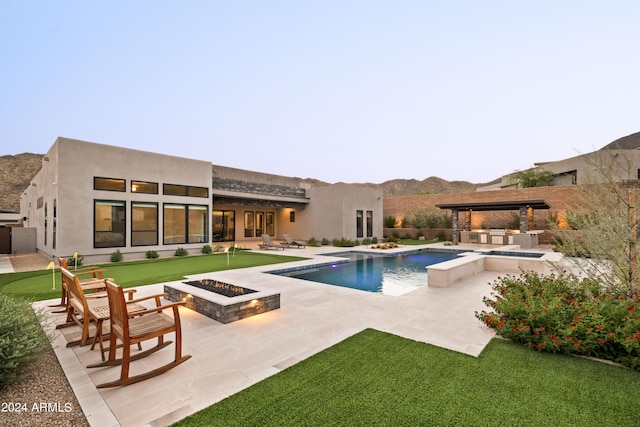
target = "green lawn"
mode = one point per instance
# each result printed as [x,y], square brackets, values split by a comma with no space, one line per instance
[374,378]
[38,285]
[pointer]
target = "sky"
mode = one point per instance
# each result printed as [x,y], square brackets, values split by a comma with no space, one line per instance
[340,91]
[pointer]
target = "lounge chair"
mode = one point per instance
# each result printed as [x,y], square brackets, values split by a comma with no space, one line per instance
[134,328]
[267,243]
[288,241]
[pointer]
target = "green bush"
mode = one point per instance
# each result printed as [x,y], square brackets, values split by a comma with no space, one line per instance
[565,314]
[152,254]
[312,242]
[374,240]
[116,256]
[441,236]
[22,339]
[206,249]
[344,242]
[72,262]
[181,252]
[389,221]
[325,241]
[366,241]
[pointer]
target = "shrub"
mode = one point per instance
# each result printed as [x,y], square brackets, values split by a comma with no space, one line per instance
[116,256]
[407,236]
[395,234]
[312,242]
[344,242]
[325,241]
[441,236]
[206,249]
[181,252]
[389,221]
[152,254]
[374,240]
[565,314]
[22,339]
[366,241]
[72,262]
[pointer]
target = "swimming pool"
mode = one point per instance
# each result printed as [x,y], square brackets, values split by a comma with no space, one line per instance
[386,274]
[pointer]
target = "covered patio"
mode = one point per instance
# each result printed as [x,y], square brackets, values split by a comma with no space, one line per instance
[525,210]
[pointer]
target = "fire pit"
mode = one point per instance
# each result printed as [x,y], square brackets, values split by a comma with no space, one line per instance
[222,301]
[220,287]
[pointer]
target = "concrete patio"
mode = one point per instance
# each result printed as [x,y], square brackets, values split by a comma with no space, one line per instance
[230,357]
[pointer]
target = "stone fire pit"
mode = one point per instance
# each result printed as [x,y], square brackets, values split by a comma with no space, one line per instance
[222,301]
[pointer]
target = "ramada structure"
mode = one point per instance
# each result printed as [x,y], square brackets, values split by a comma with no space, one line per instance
[94,199]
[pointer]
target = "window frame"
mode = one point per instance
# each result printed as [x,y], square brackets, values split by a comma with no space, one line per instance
[112,203]
[97,179]
[135,204]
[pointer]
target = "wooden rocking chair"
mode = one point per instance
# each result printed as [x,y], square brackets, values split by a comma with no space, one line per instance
[135,328]
[83,310]
[94,283]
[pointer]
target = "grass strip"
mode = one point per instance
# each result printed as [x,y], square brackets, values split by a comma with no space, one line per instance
[37,285]
[377,379]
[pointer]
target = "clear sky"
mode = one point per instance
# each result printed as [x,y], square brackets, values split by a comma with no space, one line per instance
[351,91]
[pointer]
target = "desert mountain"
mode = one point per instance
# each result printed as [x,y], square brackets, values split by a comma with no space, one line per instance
[15,174]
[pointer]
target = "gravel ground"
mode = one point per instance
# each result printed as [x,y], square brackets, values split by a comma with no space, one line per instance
[44,397]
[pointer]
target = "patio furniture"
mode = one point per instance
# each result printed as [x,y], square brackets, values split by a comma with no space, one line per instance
[134,328]
[93,283]
[288,241]
[267,243]
[84,310]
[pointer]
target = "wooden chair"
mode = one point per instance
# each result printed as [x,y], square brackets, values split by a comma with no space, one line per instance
[132,329]
[94,283]
[83,311]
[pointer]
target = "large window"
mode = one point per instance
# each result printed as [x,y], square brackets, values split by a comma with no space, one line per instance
[249,224]
[144,187]
[259,223]
[184,190]
[198,227]
[269,224]
[224,225]
[369,223]
[185,224]
[109,184]
[144,224]
[109,224]
[359,223]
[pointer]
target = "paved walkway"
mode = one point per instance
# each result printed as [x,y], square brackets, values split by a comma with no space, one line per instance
[5,264]
[230,357]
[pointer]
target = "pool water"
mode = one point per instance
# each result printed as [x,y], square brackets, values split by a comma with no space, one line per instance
[389,275]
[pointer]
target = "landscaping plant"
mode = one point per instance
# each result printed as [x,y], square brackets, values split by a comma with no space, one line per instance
[560,313]
[22,339]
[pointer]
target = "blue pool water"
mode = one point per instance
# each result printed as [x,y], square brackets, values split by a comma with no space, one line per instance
[389,275]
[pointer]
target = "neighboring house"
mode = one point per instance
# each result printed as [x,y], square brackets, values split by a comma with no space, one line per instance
[621,159]
[95,199]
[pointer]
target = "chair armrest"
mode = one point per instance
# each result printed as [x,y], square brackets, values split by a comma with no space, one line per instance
[174,306]
[156,297]
[92,272]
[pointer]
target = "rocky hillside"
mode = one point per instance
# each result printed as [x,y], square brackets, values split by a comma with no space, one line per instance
[431,185]
[15,174]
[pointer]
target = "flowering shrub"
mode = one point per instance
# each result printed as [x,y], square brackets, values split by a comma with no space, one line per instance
[563,314]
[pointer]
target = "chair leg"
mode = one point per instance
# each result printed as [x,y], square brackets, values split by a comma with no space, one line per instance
[137,378]
[114,362]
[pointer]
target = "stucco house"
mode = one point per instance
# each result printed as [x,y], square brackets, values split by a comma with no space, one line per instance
[95,199]
[621,159]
